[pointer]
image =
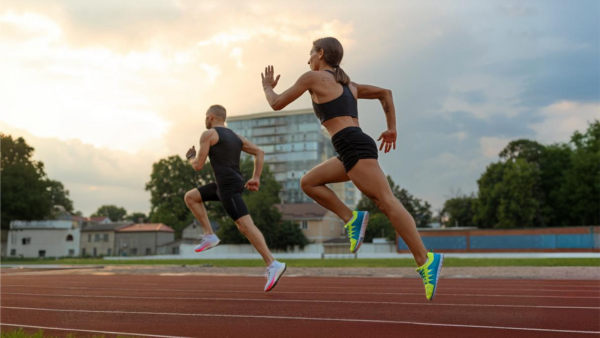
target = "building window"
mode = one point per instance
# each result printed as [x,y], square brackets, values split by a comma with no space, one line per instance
[42,253]
[175,250]
[304,225]
[108,252]
[83,252]
[95,252]
[71,252]
[148,251]
[89,237]
[26,240]
[97,238]
[13,252]
[69,238]
[133,251]
[106,237]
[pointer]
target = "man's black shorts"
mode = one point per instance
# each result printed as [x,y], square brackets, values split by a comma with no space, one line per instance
[231,199]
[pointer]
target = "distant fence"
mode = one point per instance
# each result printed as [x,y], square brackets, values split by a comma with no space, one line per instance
[574,239]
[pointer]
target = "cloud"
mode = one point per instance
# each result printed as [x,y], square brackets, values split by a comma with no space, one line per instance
[563,118]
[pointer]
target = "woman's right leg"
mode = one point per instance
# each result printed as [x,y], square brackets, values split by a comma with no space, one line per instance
[314,182]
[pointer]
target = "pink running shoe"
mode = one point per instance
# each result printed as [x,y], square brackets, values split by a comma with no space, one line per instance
[207,242]
[274,272]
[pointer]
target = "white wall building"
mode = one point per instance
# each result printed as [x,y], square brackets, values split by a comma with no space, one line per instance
[51,238]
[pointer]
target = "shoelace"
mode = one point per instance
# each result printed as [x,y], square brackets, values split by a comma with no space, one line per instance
[268,273]
[424,275]
[350,229]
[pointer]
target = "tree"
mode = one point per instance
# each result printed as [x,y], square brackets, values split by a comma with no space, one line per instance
[581,187]
[59,195]
[27,194]
[458,211]
[536,185]
[519,203]
[137,217]
[419,209]
[113,212]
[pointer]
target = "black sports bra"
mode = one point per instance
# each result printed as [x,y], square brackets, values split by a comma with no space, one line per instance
[343,105]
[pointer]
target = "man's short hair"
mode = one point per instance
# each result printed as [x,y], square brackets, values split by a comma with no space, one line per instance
[218,110]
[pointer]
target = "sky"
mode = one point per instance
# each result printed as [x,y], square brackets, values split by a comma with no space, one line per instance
[104,89]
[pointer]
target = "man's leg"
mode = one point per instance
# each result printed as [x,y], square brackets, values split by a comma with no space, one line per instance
[193,199]
[247,227]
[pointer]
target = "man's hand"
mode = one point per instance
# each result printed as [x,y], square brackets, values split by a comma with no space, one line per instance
[191,153]
[253,185]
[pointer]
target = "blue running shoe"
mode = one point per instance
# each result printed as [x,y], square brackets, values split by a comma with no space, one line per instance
[356,229]
[430,273]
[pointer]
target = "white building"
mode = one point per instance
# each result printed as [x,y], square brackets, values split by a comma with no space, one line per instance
[50,238]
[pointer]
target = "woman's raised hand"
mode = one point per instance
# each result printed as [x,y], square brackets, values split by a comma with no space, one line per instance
[268,79]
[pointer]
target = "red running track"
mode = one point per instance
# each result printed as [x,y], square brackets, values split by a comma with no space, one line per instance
[236,306]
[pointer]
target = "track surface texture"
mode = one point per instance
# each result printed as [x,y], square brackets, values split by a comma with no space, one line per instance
[236,306]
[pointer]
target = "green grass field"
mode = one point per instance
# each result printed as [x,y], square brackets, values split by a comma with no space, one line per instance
[323,263]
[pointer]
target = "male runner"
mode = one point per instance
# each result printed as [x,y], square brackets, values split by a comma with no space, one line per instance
[224,147]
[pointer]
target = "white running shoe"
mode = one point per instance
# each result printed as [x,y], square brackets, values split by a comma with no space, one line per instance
[207,242]
[274,272]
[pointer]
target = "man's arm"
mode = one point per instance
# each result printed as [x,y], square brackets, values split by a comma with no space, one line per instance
[199,159]
[259,159]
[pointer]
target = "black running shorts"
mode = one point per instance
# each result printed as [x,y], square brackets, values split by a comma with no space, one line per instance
[352,145]
[231,200]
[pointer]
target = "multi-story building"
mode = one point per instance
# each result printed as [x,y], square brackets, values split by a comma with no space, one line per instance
[294,142]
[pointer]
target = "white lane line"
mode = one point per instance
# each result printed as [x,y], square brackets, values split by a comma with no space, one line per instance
[448,281]
[399,287]
[306,318]
[81,330]
[307,301]
[301,292]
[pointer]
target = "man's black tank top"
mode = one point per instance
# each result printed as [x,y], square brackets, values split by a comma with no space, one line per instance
[343,105]
[225,160]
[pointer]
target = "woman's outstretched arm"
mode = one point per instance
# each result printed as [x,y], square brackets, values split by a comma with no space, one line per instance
[280,101]
[384,96]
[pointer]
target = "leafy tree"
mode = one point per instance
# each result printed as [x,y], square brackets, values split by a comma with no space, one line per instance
[518,202]
[27,194]
[536,185]
[458,211]
[59,195]
[581,187]
[113,212]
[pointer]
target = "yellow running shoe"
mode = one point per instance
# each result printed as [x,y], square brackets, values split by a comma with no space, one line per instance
[430,273]
[356,229]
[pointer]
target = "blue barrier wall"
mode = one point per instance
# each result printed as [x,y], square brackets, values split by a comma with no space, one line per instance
[586,239]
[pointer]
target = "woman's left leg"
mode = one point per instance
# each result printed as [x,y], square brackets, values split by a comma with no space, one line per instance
[368,177]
